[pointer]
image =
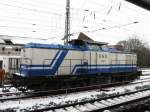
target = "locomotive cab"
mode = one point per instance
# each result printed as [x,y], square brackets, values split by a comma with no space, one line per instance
[78,43]
[89,44]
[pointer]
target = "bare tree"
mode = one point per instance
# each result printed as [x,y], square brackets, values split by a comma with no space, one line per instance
[132,44]
[139,47]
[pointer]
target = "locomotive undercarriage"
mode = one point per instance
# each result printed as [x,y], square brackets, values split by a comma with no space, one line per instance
[70,81]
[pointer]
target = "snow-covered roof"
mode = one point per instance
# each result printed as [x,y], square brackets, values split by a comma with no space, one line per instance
[5,39]
[25,41]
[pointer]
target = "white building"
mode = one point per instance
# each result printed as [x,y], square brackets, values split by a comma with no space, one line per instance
[10,49]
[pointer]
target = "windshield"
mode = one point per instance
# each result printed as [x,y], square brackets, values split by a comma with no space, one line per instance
[94,47]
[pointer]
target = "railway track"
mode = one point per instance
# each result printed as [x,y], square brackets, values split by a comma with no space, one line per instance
[100,104]
[24,95]
[33,94]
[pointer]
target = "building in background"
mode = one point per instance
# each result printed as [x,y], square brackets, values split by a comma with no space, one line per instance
[10,50]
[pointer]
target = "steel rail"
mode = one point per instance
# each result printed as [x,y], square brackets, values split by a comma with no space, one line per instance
[83,103]
[25,95]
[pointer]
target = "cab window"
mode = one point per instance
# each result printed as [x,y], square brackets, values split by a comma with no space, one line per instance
[104,48]
[94,47]
[78,43]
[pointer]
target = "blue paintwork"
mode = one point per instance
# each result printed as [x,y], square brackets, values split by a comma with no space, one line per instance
[27,71]
[54,46]
[113,68]
[71,47]
[80,70]
[91,71]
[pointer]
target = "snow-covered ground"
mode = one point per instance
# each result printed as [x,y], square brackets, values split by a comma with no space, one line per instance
[31,104]
[11,90]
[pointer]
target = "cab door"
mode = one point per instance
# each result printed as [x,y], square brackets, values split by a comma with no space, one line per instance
[93,58]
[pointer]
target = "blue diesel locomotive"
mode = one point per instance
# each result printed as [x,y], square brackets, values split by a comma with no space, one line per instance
[81,62]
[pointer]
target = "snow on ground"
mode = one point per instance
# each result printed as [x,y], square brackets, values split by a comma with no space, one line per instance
[11,90]
[146,71]
[31,104]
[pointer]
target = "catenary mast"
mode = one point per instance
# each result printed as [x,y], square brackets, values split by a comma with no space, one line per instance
[67,22]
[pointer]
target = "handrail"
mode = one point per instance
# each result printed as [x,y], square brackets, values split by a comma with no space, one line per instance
[70,66]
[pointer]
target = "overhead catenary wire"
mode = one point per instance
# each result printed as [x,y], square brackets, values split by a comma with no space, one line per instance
[122,4]
[104,28]
[30,9]
[28,23]
[27,27]
[88,26]
[107,28]
[23,27]
[45,3]
[27,19]
[130,8]
[123,16]
[86,31]
[36,22]
[38,5]
[20,7]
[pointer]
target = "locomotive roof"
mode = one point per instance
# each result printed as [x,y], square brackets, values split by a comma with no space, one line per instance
[70,47]
[88,41]
[51,46]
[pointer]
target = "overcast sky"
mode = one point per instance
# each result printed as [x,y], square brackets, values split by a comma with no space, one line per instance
[103,20]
